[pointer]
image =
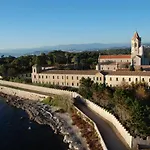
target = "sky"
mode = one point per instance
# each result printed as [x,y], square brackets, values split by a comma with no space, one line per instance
[37,23]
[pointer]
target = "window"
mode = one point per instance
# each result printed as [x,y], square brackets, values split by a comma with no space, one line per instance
[67,83]
[116,79]
[77,78]
[123,79]
[129,79]
[93,78]
[143,79]
[77,84]
[34,76]
[110,85]
[34,70]
[102,68]
[62,77]
[97,78]
[39,76]
[42,77]
[72,77]
[110,79]
[149,79]
[57,77]
[136,79]
[127,60]
[108,68]
[121,60]
[72,84]
[62,83]
[67,77]
[100,78]
[46,77]
[53,77]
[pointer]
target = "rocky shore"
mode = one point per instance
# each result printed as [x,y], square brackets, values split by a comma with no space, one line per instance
[61,123]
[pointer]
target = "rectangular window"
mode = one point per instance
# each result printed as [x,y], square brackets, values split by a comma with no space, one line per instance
[57,77]
[129,79]
[53,77]
[77,78]
[149,80]
[93,78]
[110,79]
[42,77]
[39,76]
[67,83]
[46,77]
[123,79]
[72,77]
[100,78]
[143,79]
[97,78]
[62,77]
[77,84]
[67,77]
[34,76]
[108,68]
[72,84]
[136,79]
[116,79]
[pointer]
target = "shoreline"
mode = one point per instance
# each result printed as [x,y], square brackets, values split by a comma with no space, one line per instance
[47,115]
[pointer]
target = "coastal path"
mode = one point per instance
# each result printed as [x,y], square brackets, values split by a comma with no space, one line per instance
[110,136]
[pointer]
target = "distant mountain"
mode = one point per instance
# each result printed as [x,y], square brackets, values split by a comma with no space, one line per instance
[70,47]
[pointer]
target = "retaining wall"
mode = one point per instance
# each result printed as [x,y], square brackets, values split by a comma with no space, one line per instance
[21,93]
[95,127]
[36,88]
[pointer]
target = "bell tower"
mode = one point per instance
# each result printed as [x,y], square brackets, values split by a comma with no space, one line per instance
[135,44]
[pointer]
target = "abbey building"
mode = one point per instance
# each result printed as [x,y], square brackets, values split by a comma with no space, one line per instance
[136,58]
[112,70]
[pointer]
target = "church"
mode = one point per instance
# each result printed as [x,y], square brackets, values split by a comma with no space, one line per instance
[115,62]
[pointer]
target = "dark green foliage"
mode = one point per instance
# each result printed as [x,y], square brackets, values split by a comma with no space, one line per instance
[130,104]
[11,66]
[132,68]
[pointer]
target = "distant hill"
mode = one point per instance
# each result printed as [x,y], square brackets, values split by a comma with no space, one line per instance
[70,47]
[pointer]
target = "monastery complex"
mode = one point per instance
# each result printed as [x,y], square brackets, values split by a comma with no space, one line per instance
[111,69]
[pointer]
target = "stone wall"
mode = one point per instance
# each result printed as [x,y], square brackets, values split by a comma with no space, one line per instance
[36,88]
[95,127]
[22,94]
[111,118]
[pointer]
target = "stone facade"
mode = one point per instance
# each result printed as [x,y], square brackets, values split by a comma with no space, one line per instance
[65,77]
[136,57]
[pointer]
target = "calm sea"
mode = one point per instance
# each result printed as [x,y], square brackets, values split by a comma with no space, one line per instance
[23,134]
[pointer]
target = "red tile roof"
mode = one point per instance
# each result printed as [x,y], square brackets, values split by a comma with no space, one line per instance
[115,56]
[80,72]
